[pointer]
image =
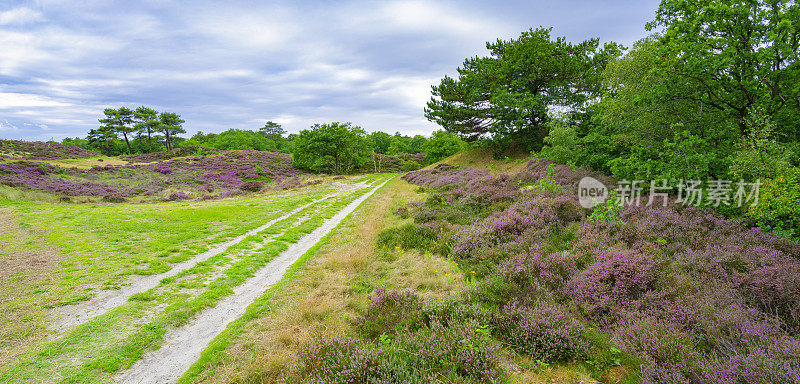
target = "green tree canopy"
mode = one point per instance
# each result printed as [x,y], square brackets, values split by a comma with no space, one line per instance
[146,119]
[380,142]
[232,139]
[741,54]
[507,95]
[118,121]
[443,144]
[332,148]
[171,125]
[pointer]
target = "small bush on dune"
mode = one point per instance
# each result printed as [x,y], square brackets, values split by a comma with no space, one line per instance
[251,186]
[178,196]
[390,312]
[546,332]
[410,236]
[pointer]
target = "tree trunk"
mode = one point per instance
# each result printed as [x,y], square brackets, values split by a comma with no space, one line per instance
[128,143]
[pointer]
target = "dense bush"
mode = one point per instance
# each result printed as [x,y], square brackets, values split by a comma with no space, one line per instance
[547,332]
[232,139]
[443,144]
[778,207]
[331,148]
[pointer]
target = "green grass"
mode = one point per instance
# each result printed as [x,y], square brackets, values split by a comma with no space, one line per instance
[113,341]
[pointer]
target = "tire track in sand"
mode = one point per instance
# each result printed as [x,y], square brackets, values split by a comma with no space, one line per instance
[183,346]
[107,300]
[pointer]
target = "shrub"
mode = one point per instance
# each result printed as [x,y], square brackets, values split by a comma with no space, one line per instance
[410,236]
[408,166]
[332,148]
[340,360]
[614,283]
[562,142]
[251,186]
[546,333]
[178,196]
[443,144]
[778,207]
[390,312]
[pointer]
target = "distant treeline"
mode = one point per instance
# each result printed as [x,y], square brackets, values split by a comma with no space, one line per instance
[143,130]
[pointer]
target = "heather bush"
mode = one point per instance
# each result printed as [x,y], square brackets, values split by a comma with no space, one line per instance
[460,352]
[546,332]
[390,312]
[178,196]
[251,186]
[615,282]
[454,310]
[340,360]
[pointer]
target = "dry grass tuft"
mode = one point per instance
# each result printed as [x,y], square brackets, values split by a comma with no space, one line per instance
[481,158]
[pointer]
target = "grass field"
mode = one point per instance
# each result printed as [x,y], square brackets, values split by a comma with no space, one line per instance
[60,255]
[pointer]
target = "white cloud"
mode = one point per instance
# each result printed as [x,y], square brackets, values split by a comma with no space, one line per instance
[10,100]
[237,64]
[19,15]
[6,126]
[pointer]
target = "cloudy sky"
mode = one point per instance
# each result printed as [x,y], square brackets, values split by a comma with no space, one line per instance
[237,64]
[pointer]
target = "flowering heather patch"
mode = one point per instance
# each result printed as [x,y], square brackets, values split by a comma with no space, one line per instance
[389,312]
[37,150]
[546,332]
[169,154]
[430,353]
[694,296]
[193,176]
[340,360]
[36,176]
[615,281]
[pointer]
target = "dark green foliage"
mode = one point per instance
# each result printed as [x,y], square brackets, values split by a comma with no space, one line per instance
[778,208]
[336,148]
[507,95]
[443,144]
[738,54]
[232,139]
[410,236]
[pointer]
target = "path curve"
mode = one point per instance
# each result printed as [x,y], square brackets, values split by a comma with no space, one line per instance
[183,346]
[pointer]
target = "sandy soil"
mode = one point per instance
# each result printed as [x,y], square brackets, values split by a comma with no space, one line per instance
[183,346]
